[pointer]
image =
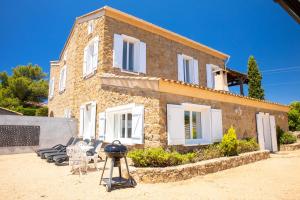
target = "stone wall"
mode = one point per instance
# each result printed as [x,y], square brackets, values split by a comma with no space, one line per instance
[243,118]
[183,172]
[161,52]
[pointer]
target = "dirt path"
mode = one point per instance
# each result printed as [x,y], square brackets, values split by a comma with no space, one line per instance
[25,176]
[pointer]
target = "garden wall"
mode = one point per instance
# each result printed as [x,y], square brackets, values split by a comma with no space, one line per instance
[182,172]
[51,131]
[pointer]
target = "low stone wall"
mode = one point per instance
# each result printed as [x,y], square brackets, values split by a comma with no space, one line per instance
[182,172]
[290,147]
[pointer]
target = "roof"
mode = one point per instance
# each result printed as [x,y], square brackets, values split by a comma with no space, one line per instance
[124,17]
[186,89]
[235,77]
[292,7]
[11,111]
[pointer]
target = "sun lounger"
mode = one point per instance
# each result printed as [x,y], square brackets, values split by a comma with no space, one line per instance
[56,147]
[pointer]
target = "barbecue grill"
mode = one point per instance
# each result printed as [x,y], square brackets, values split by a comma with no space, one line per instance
[115,151]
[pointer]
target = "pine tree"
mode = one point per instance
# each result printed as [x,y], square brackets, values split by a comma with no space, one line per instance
[255,89]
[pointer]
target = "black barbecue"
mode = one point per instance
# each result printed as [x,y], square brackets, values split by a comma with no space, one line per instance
[115,151]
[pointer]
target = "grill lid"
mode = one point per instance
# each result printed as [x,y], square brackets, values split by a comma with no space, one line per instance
[115,147]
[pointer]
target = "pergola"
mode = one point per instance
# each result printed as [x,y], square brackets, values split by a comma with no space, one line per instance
[236,78]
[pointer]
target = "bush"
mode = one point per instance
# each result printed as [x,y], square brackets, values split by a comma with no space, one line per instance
[294,116]
[287,138]
[247,145]
[229,143]
[209,152]
[43,111]
[27,111]
[158,157]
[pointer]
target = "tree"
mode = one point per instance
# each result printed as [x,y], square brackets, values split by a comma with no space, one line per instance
[255,89]
[294,116]
[26,84]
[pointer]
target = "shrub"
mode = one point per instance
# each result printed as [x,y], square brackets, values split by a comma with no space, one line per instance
[247,145]
[287,138]
[43,111]
[158,157]
[294,116]
[209,152]
[27,111]
[229,143]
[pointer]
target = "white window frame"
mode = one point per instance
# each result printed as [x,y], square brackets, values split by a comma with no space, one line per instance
[67,113]
[51,88]
[93,69]
[62,79]
[91,27]
[190,68]
[133,41]
[119,110]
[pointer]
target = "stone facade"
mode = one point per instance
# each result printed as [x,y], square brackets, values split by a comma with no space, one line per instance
[183,172]
[161,62]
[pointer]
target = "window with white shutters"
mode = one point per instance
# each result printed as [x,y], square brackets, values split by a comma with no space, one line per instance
[90,26]
[51,88]
[124,123]
[192,124]
[129,54]
[90,60]
[188,69]
[62,79]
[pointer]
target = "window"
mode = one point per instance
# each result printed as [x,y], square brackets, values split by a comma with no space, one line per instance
[90,26]
[192,125]
[62,79]
[124,123]
[51,88]
[188,69]
[87,126]
[128,56]
[90,57]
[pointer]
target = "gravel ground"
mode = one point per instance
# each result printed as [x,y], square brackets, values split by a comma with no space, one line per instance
[25,176]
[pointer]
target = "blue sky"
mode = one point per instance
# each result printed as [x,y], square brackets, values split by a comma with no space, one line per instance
[36,30]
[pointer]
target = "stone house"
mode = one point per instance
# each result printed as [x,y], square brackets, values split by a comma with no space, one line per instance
[127,79]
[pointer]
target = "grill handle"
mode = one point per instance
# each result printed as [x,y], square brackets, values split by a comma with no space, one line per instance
[116,141]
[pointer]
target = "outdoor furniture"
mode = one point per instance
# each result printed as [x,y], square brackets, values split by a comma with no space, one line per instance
[77,156]
[92,154]
[115,151]
[55,148]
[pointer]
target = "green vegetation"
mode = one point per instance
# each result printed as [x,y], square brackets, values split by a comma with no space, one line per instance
[294,116]
[247,145]
[158,157]
[24,89]
[287,138]
[229,143]
[255,88]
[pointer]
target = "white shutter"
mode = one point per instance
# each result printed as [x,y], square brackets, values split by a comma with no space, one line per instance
[216,125]
[209,76]
[206,126]
[273,133]
[118,51]
[267,132]
[175,124]
[51,88]
[81,121]
[84,61]
[136,56]
[95,55]
[60,81]
[260,130]
[138,124]
[196,71]
[180,67]
[64,78]
[93,120]
[109,127]
[102,126]
[143,58]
